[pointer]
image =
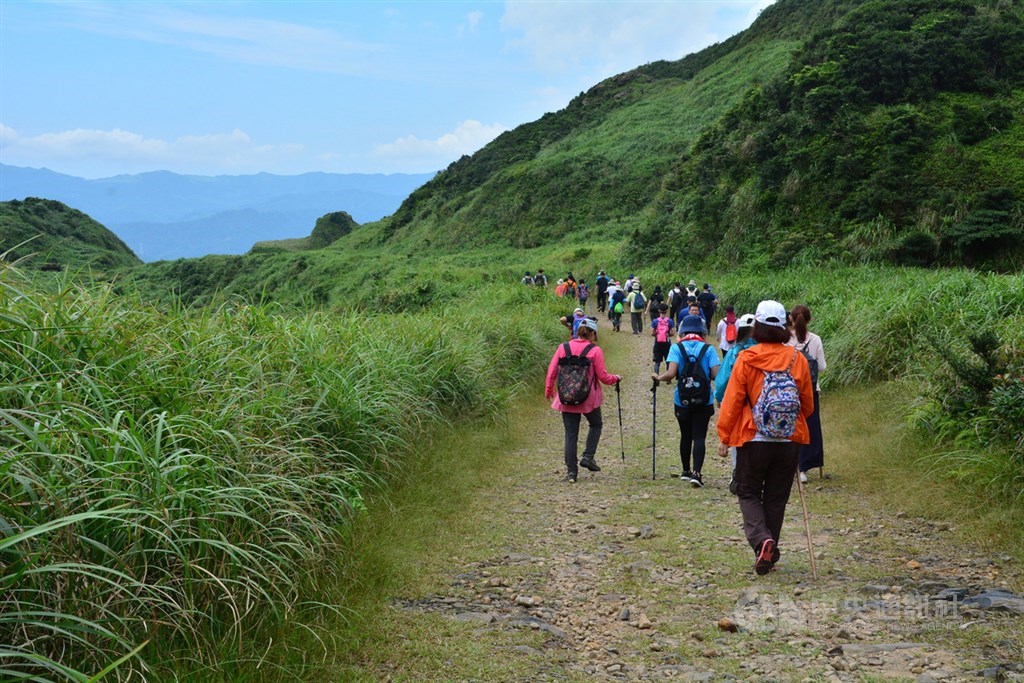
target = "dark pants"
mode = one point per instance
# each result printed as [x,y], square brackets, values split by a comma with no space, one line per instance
[616,320]
[571,422]
[602,301]
[693,433]
[636,319]
[813,454]
[764,479]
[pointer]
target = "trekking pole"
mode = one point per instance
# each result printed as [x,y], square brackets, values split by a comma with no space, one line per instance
[622,443]
[807,528]
[654,432]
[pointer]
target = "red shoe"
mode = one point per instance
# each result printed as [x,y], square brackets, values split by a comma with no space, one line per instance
[765,557]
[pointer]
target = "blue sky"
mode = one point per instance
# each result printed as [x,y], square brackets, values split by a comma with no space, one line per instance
[96,89]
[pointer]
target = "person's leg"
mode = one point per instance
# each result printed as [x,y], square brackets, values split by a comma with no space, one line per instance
[594,427]
[571,422]
[751,467]
[685,436]
[778,485]
[699,420]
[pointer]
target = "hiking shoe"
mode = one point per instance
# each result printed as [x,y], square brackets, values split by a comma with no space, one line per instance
[686,476]
[734,486]
[803,477]
[696,480]
[590,464]
[764,562]
[571,477]
[775,555]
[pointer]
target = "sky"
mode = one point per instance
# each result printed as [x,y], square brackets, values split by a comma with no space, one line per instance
[97,89]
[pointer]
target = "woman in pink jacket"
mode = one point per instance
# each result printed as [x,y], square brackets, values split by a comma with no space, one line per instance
[589,407]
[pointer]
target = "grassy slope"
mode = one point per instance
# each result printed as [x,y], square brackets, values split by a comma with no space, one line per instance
[52,233]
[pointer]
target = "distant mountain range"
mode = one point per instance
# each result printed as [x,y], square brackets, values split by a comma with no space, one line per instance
[163,215]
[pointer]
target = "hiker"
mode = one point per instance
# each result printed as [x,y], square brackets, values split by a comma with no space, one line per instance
[662,328]
[637,302]
[695,364]
[613,289]
[570,286]
[617,305]
[707,302]
[691,290]
[744,340]
[813,454]
[573,321]
[540,279]
[675,301]
[628,285]
[654,301]
[691,309]
[764,415]
[527,279]
[559,386]
[582,294]
[602,283]
[560,288]
[727,330]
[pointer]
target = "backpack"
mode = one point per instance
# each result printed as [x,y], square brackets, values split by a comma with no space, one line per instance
[617,308]
[812,363]
[662,326]
[778,407]
[527,280]
[730,332]
[574,379]
[694,387]
[583,293]
[639,301]
[540,280]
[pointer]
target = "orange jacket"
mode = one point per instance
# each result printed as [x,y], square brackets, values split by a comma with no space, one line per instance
[736,419]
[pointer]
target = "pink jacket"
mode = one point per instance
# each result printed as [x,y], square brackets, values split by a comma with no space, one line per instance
[596,397]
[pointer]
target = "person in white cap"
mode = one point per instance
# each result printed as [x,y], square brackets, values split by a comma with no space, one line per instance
[764,415]
[573,321]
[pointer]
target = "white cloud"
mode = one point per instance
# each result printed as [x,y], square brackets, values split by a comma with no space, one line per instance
[93,153]
[470,25]
[239,39]
[609,37]
[428,155]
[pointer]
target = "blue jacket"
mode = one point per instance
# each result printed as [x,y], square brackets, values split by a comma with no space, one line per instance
[722,378]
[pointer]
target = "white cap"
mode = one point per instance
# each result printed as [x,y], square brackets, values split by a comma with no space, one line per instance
[590,323]
[745,320]
[771,313]
[578,310]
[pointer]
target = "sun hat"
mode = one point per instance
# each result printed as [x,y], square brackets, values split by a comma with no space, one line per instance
[589,323]
[636,286]
[693,282]
[561,282]
[578,310]
[693,323]
[745,320]
[771,313]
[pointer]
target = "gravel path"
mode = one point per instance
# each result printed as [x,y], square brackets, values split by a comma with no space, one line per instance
[619,577]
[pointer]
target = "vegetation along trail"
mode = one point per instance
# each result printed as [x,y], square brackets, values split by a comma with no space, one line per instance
[506,572]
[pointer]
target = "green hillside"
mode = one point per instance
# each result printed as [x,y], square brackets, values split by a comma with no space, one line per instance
[53,236]
[851,131]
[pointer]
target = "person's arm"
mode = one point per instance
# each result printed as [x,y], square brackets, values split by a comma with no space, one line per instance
[599,368]
[671,370]
[552,376]
[802,375]
[722,377]
[733,401]
[819,355]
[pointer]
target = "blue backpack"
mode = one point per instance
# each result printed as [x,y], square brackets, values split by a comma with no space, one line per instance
[778,407]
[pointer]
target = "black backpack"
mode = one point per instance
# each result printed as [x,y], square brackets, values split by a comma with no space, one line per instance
[812,363]
[694,387]
[574,379]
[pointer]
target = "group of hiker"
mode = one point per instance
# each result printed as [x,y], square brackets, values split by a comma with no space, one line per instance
[765,384]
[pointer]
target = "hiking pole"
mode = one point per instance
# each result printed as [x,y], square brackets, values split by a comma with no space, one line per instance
[618,398]
[654,432]
[807,528]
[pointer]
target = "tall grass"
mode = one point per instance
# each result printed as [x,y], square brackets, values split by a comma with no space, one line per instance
[175,475]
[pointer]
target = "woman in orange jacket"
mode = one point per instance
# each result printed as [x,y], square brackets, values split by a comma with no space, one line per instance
[764,415]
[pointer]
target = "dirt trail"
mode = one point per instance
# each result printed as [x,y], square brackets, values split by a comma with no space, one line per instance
[619,577]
